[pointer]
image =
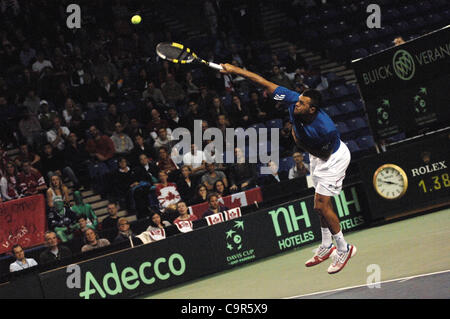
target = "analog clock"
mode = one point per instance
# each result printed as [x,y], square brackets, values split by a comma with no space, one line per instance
[390,181]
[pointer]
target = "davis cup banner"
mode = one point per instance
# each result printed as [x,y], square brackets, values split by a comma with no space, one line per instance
[22,221]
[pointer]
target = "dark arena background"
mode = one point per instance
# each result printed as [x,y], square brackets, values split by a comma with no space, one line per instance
[89,159]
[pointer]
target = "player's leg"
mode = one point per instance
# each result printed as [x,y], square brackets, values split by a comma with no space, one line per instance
[326,247]
[345,251]
[327,238]
[324,207]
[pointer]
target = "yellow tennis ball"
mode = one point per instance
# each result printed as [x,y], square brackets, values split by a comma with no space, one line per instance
[136,19]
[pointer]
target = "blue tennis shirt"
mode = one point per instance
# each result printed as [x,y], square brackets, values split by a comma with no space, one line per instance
[321,134]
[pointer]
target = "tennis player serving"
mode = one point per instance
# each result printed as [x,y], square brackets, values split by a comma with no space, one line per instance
[315,132]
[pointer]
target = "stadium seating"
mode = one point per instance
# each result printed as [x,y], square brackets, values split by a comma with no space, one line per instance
[377,48]
[359,104]
[342,128]
[340,91]
[347,107]
[365,142]
[333,111]
[352,146]
[353,89]
[390,15]
[357,123]
[359,53]
[352,39]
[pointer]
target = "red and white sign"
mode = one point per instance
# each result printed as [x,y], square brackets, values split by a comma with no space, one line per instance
[241,199]
[23,222]
[184,226]
[157,234]
[214,219]
[167,195]
[232,213]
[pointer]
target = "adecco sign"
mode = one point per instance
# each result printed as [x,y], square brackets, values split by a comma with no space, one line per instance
[130,278]
[134,271]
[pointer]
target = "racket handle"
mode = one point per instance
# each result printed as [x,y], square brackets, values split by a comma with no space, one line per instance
[215,66]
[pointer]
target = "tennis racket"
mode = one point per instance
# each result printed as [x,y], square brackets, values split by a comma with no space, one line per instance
[178,53]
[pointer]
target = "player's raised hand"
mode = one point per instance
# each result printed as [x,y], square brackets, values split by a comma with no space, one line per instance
[229,69]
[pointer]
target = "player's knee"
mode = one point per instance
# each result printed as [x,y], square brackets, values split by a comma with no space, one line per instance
[318,208]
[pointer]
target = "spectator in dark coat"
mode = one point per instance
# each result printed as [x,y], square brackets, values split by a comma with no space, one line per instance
[280,78]
[295,61]
[122,180]
[201,195]
[125,233]
[214,206]
[259,109]
[187,184]
[240,113]
[215,109]
[242,175]
[76,157]
[54,252]
[141,147]
[53,163]
[220,189]
[112,118]
[146,175]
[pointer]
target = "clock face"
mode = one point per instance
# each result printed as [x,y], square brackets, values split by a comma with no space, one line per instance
[390,181]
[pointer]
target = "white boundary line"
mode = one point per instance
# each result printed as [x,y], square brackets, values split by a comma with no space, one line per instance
[359,286]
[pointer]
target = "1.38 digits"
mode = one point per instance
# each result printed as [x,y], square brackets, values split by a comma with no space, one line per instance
[439,182]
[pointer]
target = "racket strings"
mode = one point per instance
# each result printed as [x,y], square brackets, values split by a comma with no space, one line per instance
[174,53]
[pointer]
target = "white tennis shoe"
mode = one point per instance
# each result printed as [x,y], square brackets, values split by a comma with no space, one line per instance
[321,254]
[340,259]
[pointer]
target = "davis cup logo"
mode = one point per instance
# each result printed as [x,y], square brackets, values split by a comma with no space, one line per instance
[404,65]
[235,245]
[234,236]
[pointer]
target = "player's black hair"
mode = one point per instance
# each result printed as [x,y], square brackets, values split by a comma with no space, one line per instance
[315,96]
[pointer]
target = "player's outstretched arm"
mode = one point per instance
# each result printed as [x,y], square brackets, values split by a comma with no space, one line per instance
[231,69]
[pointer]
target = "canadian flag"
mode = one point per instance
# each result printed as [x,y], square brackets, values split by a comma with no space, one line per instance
[214,219]
[232,213]
[157,234]
[239,199]
[167,195]
[184,226]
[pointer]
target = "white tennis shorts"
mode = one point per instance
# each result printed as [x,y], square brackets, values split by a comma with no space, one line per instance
[327,176]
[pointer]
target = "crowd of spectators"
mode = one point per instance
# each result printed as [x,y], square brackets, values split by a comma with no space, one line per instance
[95,108]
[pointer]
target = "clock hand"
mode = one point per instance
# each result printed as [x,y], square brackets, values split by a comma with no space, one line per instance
[388,182]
